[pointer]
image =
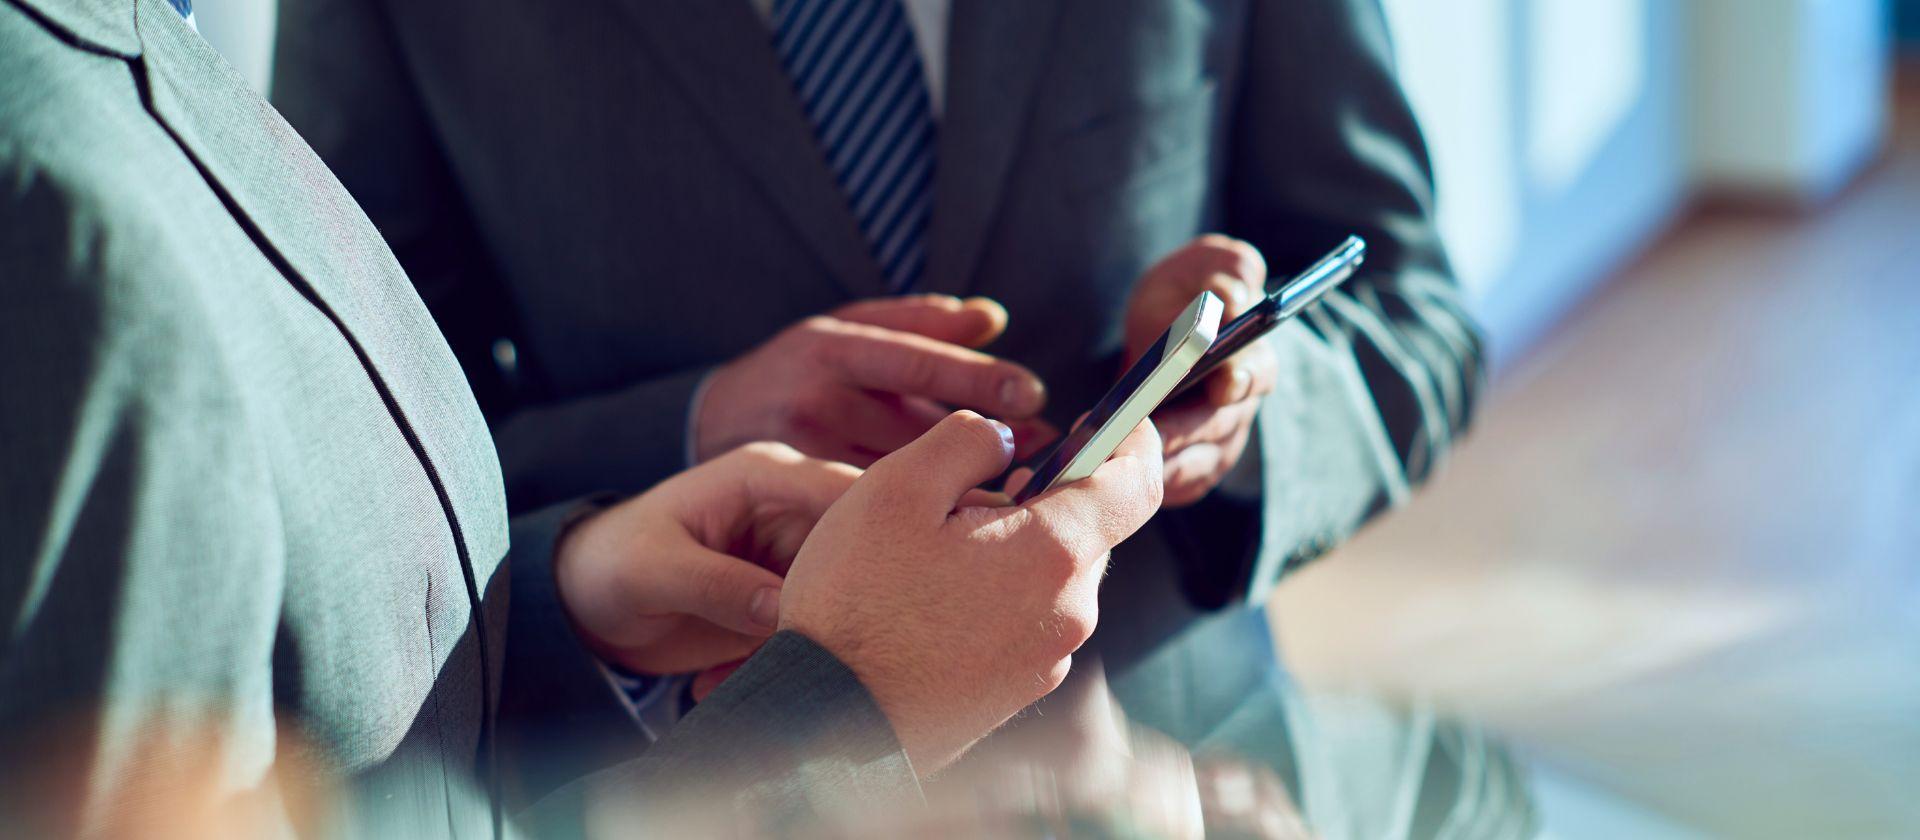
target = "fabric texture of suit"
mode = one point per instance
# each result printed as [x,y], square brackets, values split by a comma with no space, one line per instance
[248,500]
[627,193]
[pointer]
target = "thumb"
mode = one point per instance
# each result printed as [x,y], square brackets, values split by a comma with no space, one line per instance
[969,323]
[932,473]
[725,590]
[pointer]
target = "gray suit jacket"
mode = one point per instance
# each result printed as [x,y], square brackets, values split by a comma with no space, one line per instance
[627,191]
[247,500]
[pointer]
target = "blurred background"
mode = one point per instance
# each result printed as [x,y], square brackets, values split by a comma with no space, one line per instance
[1675,564]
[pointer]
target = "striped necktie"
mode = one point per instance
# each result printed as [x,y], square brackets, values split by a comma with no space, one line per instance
[857,73]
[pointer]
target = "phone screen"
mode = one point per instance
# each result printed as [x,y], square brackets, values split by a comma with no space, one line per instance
[1082,432]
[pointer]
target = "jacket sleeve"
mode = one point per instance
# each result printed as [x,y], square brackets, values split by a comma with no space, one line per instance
[1378,382]
[140,547]
[341,80]
[790,740]
[559,716]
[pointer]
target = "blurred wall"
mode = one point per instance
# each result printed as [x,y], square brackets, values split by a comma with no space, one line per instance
[1906,17]
[1568,133]
[1789,95]
[1559,134]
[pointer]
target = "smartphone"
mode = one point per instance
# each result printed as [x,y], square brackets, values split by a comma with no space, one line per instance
[1092,440]
[1305,288]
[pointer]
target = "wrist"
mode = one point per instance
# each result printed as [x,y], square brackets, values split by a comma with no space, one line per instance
[572,573]
[925,735]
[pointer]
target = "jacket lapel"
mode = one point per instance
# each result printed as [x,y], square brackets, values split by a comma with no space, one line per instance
[309,224]
[996,52]
[104,26]
[722,56]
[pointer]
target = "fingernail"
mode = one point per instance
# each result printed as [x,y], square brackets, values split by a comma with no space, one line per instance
[1242,385]
[1006,434]
[765,607]
[1020,395]
[1241,295]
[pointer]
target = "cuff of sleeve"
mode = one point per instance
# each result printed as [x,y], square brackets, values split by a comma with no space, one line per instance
[560,718]
[792,735]
[1326,464]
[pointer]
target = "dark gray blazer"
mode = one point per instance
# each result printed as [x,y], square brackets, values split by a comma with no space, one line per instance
[246,496]
[628,192]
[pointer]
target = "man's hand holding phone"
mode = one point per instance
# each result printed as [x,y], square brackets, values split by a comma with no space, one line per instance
[1205,434]
[868,378]
[956,614]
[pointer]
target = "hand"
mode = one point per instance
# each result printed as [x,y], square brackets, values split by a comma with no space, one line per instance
[687,575]
[867,379]
[1206,434]
[956,616]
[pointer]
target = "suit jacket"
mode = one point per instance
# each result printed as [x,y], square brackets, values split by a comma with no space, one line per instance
[628,193]
[247,500]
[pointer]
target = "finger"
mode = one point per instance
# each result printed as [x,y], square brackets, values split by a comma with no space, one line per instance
[1222,254]
[931,475]
[1032,435]
[1017,480]
[908,364]
[1233,270]
[871,422]
[706,681]
[985,498]
[1199,423]
[751,478]
[691,644]
[809,486]
[1192,473]
[973,322]
[1249,374]
[1174,279]
[698,581]
[1108,506]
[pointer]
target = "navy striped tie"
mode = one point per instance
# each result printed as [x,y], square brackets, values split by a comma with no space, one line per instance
[857,73]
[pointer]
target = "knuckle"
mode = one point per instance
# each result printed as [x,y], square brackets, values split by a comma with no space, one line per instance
[1235,257]
[1070,629]
[767,452]
[708,582]
[1253,265]
[817,341]
[807,407]
[817,324]
[1146,486]
[1053,676]
[1077,627]
[1056,559]
[973,428]
[918,371]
